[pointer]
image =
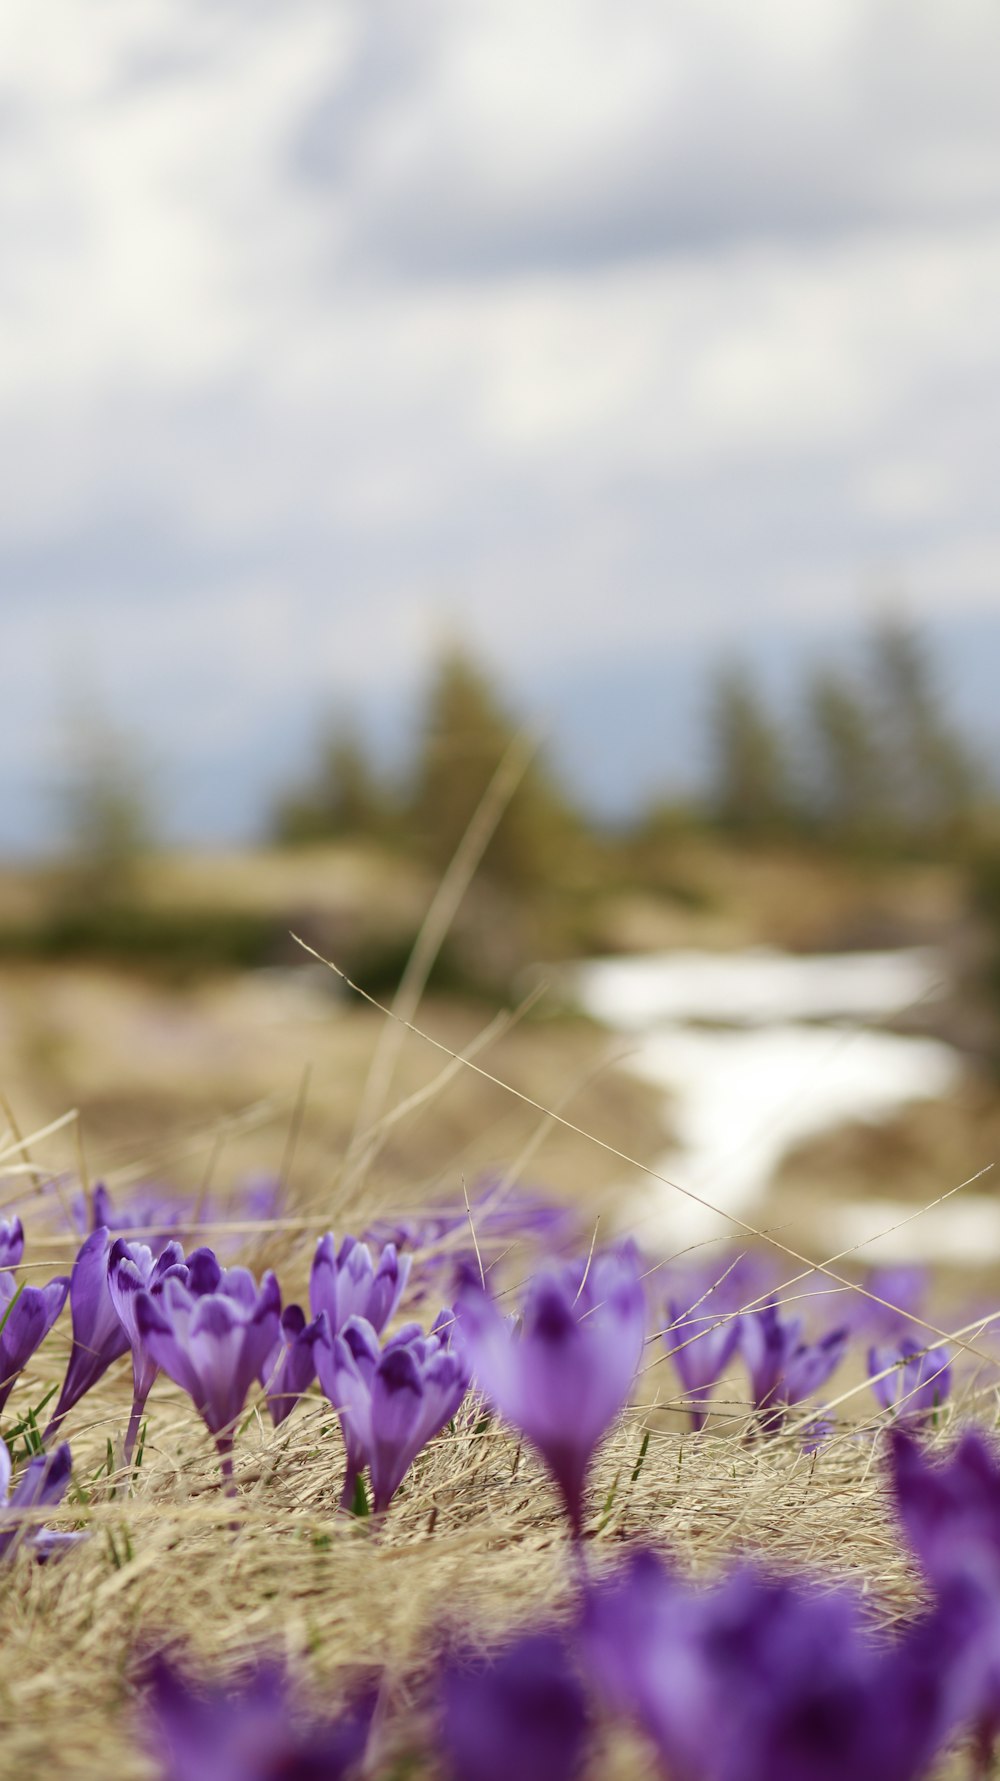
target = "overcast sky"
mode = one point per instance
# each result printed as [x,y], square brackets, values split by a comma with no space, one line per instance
[602,332]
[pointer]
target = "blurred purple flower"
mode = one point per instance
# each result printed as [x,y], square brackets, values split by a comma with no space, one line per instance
[757,1680]
[919,1382]
[246,1731]
[703,1336]
[11,1242]
[213,1343]
[949,1506]
[563,1380]
[131,1270]
[519,1713]
[904,1290]
[500,1215]
[160,1212]
[27,1314]
[41,1485]
[346,1283]
[98,1335]
[784,1369]
[290,1367]
[391,1401]
[88,1212]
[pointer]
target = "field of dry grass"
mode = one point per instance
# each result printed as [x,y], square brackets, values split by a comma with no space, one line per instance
[265,1074]
[475,1540]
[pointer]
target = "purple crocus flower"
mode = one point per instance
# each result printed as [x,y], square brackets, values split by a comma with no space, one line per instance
[131,1270]
[904,1291]
[703,1336]
[246,1731]
[88,1212]
[345,1282]
[919,1382]
[98,1335]
[521,1712]
[290,1367]
[563,1380]
[391,1401]
[214,1343]
[499,1215]
[949,1506]
[41,1485]
[11,1242]
[758,1680]
[784,1369]
[346,1366]
[27,1314]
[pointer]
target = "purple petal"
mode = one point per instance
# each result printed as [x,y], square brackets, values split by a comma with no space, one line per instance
[11,1242]
[27,1322]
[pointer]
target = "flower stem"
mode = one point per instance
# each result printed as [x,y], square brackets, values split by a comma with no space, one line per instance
[224,1447]
[132,1432]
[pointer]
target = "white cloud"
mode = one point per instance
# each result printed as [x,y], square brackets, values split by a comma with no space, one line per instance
[599,325]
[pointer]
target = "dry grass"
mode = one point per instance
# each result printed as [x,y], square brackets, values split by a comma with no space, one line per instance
[474,1540]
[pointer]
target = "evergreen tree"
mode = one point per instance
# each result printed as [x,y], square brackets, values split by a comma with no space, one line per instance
[343,795]
[751,785]
[466,732]
[848,769]
[935,779]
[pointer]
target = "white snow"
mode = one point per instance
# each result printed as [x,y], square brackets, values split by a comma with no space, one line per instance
[743,1093]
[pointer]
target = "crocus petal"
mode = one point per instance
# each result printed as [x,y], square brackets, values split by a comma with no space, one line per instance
[388,1286]
[215,1344]
[11,1242]
[345,1283]
[249,1731]
[397,1397]
[204,1272]
[290,1367]
[919,1380]
[158,1333]
[346,1382]
[41,1485]
[323,1282]
[521,1713]
[98,1336]
[27,1322]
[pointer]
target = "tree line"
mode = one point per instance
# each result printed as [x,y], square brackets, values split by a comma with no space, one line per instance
[866,758]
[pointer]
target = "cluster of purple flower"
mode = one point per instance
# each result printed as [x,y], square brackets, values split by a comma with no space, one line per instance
[561,1370]
[219,1334]
[749,1678]
[714,1321]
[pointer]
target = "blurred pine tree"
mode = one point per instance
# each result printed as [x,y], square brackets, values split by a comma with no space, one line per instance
[466,731]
